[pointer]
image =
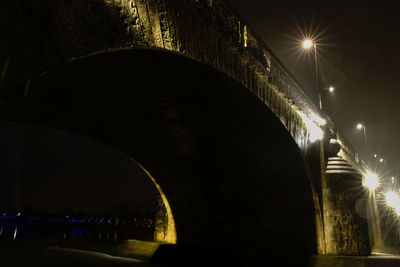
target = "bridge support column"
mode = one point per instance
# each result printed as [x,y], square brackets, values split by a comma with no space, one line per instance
[346,227]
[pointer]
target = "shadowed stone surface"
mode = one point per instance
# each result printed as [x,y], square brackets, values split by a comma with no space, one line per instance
[346,204]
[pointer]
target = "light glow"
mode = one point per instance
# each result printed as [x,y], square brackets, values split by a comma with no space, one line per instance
[360,126]
[392,199]
[331,89]
[307,43]
[320,121]
[166,233]
[315,132]
[371,180]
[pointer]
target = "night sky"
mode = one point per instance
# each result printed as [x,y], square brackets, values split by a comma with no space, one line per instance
[357,44]
[53,170]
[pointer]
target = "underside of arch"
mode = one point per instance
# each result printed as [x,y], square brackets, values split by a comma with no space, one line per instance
[234,177]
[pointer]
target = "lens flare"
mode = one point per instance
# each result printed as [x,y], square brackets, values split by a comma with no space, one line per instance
[307,43]
[392,199]
[371,180]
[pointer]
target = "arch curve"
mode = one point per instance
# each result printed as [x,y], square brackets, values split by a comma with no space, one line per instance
[233,175]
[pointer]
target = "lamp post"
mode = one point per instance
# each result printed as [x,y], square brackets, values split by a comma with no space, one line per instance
[307,44]
[373,182]
[321,221]
[359,127]
[382,165]
[375,217]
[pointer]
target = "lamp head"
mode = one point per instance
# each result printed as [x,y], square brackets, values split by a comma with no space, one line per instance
[307,43]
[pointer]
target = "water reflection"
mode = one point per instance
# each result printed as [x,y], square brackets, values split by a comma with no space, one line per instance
[15,233]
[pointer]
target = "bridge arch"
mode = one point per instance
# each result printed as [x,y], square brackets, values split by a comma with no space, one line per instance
[234,176]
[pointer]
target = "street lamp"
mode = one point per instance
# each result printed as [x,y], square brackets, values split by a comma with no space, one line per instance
[359,127]
[331,89]
[383,161]
[307,44]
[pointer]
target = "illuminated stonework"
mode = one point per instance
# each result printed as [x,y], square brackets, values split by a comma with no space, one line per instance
[167,232]
[315,132]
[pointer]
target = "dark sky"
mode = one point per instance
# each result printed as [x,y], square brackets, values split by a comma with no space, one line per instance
[52,170]
[358,49]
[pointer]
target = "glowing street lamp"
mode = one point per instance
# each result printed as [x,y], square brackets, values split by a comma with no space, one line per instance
[392,199]
[359,127]
[331,89]
[307,44]
[383,162]
[372,182]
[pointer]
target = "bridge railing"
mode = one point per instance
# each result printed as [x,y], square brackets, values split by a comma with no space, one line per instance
[265,65]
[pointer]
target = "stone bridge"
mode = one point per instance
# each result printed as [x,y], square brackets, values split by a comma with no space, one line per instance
[248,166]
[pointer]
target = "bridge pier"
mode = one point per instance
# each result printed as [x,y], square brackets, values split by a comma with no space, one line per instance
[340,201]
[346,226]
